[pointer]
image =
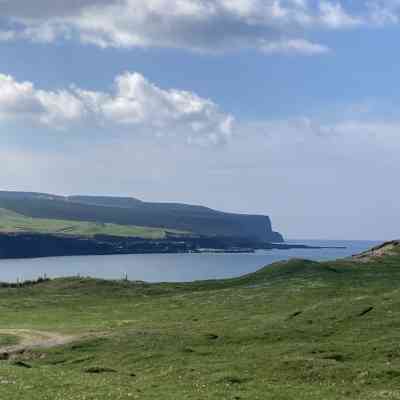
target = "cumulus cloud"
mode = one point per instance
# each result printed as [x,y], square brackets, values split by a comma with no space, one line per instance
[134,104]
[23,100]
[199,25]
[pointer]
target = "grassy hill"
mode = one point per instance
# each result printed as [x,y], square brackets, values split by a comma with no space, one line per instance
[11,221]
[295,330]
[133,212]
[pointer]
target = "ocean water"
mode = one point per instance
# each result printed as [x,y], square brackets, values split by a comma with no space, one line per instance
[171,267]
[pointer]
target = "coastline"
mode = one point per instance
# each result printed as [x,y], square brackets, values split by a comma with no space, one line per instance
[35,245]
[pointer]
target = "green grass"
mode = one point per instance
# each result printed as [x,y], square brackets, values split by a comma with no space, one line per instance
[296,330]
[8,340]
[11,222]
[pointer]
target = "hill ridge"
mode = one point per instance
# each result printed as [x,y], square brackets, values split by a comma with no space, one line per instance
[130,211]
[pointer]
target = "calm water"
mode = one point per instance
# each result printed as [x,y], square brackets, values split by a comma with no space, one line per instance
[170,267]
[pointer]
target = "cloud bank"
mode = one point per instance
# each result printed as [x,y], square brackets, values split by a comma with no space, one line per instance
[198,25]
[135,104]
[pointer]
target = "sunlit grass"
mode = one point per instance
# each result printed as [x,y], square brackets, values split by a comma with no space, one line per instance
[13,222]
[296,330]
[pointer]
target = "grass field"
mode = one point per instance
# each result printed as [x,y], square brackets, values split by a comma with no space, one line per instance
[295,330]
[13,222]
[8,340]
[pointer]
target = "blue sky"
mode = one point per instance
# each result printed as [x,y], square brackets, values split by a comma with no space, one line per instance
[282,107]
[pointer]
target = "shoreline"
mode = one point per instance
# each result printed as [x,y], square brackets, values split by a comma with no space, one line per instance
[22,246]
[131,269]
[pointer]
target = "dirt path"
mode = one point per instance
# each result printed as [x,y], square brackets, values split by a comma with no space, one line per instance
[31,339]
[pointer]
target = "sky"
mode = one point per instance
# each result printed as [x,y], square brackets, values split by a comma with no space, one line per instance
[287,108]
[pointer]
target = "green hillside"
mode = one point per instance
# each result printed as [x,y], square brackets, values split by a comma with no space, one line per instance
[133,212]
[296,330]
[13,222]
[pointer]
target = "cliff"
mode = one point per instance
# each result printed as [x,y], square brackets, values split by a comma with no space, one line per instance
[129,211]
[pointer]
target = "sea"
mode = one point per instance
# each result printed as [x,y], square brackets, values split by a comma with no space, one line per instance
[173,267]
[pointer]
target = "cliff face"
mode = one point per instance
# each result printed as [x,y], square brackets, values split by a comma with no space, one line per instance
[258,227]
[130,211]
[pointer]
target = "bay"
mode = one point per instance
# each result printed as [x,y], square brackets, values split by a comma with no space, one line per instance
[172,267]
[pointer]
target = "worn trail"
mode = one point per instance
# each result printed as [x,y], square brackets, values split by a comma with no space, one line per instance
[32,339]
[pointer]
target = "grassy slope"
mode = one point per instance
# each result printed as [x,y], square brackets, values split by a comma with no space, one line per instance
[13,222]
[296,330]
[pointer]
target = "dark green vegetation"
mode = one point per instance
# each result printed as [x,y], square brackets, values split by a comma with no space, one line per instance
[134,213]
[294,330]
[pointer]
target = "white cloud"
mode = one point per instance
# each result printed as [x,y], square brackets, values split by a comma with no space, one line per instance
[22,100]
[135,104]
[6,36]
[199,25]
[334,16]
[295,46]
[382,12]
